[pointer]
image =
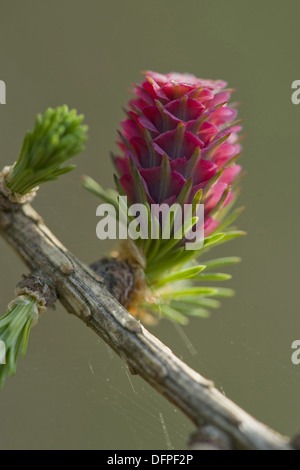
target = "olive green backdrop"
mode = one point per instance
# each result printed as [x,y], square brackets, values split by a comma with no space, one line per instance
[71,391]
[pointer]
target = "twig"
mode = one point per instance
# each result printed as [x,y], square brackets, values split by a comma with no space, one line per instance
[83,294]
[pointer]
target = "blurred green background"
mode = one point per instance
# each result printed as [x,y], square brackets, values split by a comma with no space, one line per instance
[71,391]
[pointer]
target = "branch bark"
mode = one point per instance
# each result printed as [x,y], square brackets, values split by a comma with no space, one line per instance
[83,294]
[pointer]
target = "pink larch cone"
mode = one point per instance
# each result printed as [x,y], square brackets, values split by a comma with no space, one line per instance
[189,121]
[179,144]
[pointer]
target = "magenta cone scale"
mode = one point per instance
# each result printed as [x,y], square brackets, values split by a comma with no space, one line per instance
[189,122]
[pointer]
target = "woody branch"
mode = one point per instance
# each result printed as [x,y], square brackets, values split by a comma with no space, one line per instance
[83,294]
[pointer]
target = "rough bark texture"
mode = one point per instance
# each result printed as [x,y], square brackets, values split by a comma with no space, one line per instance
[84,294]
[118,278]
[39,286]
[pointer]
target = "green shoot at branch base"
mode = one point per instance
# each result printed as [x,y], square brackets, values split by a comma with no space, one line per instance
[15,327]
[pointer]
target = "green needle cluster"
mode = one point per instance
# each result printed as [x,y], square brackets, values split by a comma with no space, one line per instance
[57,136]
[15,327]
